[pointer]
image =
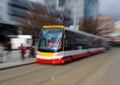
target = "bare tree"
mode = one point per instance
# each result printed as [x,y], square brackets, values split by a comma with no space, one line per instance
[105,24]
[36,16]
[88,25]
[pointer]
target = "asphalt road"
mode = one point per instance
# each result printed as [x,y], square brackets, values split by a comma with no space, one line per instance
[80,72]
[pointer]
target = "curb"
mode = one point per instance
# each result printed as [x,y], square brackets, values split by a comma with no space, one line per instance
[13,66]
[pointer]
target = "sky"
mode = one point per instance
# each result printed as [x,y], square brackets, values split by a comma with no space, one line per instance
[111,7]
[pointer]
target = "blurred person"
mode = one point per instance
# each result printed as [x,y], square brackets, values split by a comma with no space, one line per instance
[23,51]
[32,52]
[1,52]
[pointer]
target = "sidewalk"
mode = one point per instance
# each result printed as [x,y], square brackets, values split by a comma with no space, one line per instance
[14,60]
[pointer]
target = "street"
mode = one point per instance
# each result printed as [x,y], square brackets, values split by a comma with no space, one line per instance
[88,71]
[34,33]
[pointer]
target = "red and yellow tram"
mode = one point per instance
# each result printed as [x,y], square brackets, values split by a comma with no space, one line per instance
[58,45]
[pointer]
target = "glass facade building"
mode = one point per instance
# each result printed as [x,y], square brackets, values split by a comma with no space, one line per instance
[10,16]
[12,8]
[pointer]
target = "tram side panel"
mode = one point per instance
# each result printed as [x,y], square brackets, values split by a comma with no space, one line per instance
[75,45]
[80,45]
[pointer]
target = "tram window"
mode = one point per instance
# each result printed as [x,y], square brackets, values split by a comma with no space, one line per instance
[100,42]
[66,42]
[89,42]
[69,41]
[83,41]
[75,41]
[79,47]
[93,42]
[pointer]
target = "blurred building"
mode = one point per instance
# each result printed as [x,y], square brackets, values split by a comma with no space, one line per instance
[76,8]
[116,37]
[91,9]
[82,9]
[10,15]
[58,6]
[117,26]
[109,29]
[73,10]
[70,10]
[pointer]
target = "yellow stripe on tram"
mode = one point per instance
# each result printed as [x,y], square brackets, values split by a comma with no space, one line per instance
[53,26]
[46,54]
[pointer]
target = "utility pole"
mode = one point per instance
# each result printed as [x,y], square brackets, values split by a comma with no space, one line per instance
[57,4]
[74,14]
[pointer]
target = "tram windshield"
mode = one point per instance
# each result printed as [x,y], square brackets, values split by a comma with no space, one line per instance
[50,40]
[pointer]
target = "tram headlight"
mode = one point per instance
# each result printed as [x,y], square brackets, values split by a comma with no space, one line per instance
[37,54]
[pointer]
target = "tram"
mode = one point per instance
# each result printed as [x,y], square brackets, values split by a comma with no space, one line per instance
[58,45]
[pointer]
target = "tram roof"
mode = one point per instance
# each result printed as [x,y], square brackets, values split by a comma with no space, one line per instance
[84,33]
[79,32]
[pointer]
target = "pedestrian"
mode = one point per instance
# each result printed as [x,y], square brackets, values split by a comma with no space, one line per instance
[9,49]
[1,52]
[23,51]
[32,52]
